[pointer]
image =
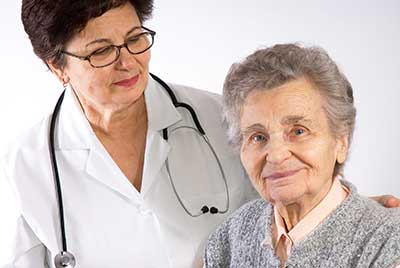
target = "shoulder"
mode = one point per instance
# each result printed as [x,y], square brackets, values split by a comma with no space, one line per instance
[25,149]
[383,222]
[207,105]
[244,219]
[208,109]
[367,209]
[377,231]
[196,97]
[33,138]
[367,213]
[232,238]
[373,213]
[383,246]
[249,212]
[247,215]
[20,162]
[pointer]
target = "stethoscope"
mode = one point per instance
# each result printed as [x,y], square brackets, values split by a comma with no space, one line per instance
[67,259]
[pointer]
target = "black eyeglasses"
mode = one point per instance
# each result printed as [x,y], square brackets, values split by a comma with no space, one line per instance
[105,56]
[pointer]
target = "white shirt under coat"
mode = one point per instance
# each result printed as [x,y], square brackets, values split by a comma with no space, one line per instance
[108,222]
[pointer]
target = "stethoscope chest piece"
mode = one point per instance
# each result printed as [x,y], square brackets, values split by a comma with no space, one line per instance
[64,259]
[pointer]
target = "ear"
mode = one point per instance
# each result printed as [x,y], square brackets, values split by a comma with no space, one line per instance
[60,73]
[342,148]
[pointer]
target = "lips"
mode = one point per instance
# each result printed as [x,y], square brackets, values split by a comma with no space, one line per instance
[281,174]
[128,82]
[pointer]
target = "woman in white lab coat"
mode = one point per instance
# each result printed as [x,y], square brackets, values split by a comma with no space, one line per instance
[129,194]
[120,208]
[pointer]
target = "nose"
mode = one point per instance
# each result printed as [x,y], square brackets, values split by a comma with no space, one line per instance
[277,151]
[126,60]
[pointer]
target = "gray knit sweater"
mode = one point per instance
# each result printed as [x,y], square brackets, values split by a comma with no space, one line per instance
[358,233]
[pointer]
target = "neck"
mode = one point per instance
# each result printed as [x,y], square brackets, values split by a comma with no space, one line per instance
[294,212]
[116,122]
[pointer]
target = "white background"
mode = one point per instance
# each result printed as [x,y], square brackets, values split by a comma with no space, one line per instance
[197,41]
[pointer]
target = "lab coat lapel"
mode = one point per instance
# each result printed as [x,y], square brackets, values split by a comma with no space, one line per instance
[101,167]
[73,130]
[161,114]
[75,134]
[157,150]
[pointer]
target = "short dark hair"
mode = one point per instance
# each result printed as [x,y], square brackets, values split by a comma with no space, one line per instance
[50,24]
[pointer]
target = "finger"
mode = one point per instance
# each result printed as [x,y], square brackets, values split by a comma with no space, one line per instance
[392,202]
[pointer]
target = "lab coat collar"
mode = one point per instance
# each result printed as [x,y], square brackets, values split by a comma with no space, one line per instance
[161,112]
[74,133]
[73,130]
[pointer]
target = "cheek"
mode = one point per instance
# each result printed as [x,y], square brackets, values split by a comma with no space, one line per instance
[144,59]
[246,161]
[320,156]
[252,163]
[85,78]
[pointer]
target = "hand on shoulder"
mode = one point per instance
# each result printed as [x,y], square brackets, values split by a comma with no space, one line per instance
[388,201]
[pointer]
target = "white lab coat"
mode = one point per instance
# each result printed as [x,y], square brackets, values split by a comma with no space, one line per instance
[109,223]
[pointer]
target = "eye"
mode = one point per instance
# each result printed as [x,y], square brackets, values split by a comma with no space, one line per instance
[134,39]
[298,132]
[258,138]
[102,51]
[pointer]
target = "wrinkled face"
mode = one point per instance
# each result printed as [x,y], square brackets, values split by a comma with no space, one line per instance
[288,150]
[119,84]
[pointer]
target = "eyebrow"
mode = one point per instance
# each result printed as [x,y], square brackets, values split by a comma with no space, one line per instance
[295,119]
[106,40]
[252,128]
[287,120]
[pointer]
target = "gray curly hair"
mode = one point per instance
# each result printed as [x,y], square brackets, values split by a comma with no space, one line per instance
[274,66]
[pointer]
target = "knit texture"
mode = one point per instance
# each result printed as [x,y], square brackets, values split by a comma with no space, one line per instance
[358,233]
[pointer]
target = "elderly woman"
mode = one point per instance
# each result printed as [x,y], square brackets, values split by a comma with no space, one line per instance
[291,113]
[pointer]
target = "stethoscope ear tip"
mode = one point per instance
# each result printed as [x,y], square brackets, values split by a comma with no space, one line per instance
[64,259]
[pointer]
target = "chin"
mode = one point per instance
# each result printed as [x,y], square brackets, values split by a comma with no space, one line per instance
[283,197]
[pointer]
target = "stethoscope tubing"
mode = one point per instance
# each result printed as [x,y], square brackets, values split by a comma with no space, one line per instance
[178,104]
[55,171]
[205,138]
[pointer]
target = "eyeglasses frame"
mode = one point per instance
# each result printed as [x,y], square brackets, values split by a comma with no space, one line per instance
[119,47]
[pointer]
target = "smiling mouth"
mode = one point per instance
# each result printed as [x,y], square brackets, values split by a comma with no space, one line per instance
[282,175]
[128,82]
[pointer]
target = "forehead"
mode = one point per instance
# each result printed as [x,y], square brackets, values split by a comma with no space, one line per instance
[296,98]
[115,22]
